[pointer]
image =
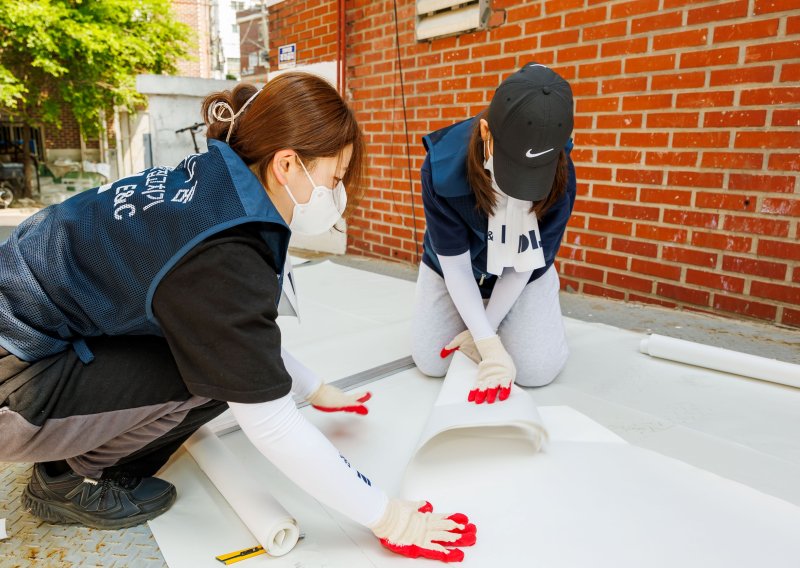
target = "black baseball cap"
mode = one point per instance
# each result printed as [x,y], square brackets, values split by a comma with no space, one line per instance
[530,118]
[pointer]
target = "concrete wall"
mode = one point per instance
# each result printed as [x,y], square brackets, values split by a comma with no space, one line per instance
[174,103]
[129,153]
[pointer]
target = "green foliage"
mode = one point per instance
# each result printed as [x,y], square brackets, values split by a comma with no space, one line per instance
[83,55]
[11,90]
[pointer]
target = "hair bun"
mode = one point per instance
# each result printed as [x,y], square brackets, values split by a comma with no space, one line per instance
[220,109]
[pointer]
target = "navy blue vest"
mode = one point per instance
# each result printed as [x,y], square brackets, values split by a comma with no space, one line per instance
[90,265]
[445,169]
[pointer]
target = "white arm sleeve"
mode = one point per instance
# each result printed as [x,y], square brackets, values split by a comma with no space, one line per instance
[306,456]
[465,294]
[304,381]
[505,294]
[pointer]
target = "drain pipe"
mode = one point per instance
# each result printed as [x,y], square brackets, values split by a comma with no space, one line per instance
[341,69]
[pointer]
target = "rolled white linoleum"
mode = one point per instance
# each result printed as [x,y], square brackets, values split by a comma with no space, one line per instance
[272,526]
[719,359]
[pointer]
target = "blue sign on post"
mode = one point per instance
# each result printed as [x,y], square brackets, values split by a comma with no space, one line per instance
[287,56]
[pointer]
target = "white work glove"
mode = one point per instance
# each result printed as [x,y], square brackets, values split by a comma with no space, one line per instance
[496,372]
[412,529]
[328,398]
[462,342]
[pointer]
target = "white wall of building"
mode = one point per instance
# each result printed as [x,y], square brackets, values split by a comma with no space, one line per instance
[228,30]
[174,103]
[130,129]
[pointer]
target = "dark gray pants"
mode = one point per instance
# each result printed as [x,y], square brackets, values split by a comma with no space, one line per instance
[128,410]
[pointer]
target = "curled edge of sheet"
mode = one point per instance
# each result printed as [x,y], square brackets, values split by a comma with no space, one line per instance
[452,411]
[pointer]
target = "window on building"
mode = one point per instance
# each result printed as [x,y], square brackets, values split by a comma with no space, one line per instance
[235,28]
[439,18]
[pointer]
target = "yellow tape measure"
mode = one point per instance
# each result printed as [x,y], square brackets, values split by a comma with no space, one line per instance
[233,557]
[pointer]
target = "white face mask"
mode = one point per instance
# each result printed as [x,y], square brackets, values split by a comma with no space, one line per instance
[323,209]
[488,164]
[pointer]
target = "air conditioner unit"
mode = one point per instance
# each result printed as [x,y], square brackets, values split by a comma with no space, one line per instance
[439,18]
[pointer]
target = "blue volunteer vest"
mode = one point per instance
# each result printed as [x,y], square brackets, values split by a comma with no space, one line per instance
[90,265]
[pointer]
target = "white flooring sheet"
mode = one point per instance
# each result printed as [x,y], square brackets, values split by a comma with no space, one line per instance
[738,428]
[350,320]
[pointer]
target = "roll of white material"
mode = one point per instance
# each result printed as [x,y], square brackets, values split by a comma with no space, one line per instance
[272,526]
[719,359]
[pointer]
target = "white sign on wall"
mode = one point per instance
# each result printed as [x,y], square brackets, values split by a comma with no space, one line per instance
[287,56]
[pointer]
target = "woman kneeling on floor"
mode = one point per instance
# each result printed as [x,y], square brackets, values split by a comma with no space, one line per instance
[498,190]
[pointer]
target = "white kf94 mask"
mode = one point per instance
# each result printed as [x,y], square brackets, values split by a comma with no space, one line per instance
[323,209]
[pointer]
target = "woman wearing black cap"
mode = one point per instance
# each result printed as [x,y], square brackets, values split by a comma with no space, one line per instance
[498,190]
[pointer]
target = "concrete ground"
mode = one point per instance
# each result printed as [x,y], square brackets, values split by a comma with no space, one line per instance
[761,339]
[10,218]
[34,544]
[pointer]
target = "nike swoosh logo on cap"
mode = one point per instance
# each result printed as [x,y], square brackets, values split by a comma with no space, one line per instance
[537,154]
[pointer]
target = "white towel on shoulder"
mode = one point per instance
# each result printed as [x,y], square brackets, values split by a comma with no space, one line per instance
[513,239]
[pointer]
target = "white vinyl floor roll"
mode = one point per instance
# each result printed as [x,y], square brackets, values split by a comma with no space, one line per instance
[272,526]
[719,359]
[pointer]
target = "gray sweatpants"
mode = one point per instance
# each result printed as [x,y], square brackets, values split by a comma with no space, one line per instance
[532,332]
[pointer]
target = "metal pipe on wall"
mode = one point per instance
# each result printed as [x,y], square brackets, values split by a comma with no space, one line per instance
[341,69]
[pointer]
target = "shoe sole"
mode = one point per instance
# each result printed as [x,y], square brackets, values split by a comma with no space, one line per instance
[58,514]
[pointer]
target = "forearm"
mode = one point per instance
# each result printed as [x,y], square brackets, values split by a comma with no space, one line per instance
[304,381]
[307,457]
[505,294]
[465,294]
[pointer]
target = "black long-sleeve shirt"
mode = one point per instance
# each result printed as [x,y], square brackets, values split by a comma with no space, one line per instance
[217,309]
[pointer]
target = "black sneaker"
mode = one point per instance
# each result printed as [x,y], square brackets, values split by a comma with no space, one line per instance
[99,503]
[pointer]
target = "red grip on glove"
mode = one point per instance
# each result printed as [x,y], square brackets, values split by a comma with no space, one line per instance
[468,538]
[489,395]
[414,551]
[358,409]
[469,534]
[447,352]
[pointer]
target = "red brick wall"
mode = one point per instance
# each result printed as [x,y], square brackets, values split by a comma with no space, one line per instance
[311,24]
[251,40]
[687,146]
[197,15]
[686,139]
[68,136]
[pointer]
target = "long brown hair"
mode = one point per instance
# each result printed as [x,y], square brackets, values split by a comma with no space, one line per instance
[481,183]
[295,110]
